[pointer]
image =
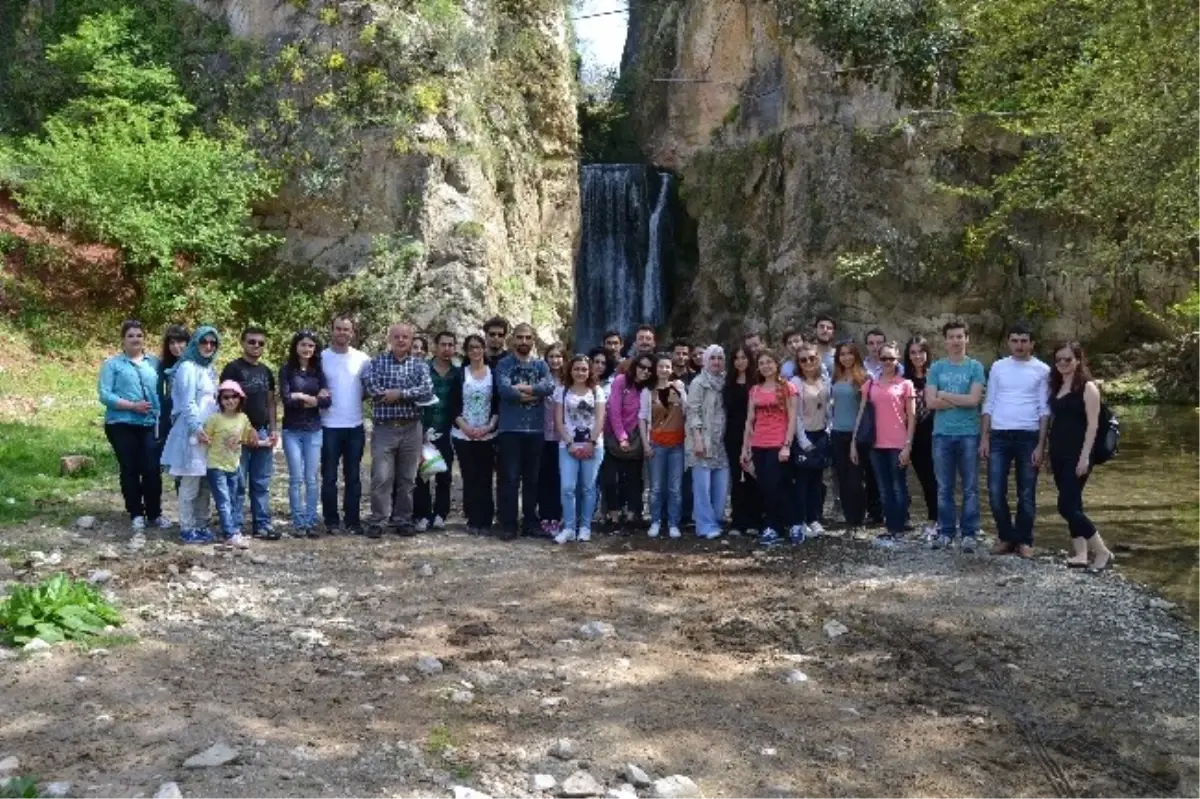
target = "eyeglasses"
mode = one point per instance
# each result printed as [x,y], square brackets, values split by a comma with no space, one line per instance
[256,342]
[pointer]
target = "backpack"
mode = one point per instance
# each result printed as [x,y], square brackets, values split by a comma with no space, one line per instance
[1108,436]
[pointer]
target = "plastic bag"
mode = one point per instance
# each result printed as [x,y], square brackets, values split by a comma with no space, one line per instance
[432,462]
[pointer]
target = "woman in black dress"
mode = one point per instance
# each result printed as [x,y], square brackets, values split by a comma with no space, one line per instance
[746,511]
[916,368]
[1075,417]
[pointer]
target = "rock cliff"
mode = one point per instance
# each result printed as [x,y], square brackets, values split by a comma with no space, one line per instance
[434,142]
[814,189]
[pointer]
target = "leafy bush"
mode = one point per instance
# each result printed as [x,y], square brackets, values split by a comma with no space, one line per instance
[19,788]
[57,609]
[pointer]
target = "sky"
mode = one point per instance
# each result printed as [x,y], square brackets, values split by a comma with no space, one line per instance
[601,38]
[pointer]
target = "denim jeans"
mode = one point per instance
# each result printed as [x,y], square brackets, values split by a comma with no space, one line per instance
[893,487]
[578,480]
[1007,447]
[223,486]
[302,448]
[520,462]
[709,489]
[957,456]
[257,466]
[666,477]
[344,444]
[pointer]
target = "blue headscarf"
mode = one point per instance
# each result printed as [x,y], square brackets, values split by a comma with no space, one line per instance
[192,353]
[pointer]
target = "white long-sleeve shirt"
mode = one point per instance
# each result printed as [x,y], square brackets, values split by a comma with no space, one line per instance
[1018,394]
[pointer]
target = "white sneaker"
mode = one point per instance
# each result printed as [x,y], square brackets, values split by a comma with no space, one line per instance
[139,522]
[713,535]
[585,534]
[565,536]
[421,526]
[735,533]
[930,531]
[439,523]
[816,529]
[238,541]
[163,523]
[653,531]
[674,532]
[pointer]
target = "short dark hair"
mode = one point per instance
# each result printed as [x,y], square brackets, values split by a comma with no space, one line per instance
[344,317]
[955,324]
[1020,328]
[253,330]
[749,334]
[792,331]
[609,334]
[679,342]
[131,324]
[875,332]
[496,321]
[650,328]
[444,334]
[825,318]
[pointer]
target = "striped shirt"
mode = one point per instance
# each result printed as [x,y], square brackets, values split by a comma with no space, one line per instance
[409,376]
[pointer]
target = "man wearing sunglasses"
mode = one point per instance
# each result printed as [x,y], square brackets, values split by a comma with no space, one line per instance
[495,333]
[258,382]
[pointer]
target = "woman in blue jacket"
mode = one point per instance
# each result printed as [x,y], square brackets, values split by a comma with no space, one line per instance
[128,389]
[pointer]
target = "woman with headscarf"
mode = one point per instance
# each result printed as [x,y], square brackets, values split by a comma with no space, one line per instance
[194,396]
[705,450]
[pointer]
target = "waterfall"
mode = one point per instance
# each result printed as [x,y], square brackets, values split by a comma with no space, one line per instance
[619,272]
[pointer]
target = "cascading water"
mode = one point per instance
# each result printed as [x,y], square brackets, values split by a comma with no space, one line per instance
[623,246]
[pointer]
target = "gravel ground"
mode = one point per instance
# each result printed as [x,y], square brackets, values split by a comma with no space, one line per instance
[442,663]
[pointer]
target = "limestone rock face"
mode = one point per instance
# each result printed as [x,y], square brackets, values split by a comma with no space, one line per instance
[811,189]
[469,163]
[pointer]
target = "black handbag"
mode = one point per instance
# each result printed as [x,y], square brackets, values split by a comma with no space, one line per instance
[865,435]
[612,446]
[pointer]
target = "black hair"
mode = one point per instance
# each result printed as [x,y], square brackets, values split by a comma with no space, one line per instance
[131,324]
[467,345]
[825,318]
[651,378]
[610,363]
[609,334]
[681,342]
[172,333]
[251,330]
[424,344]
[496,321]
[875,332]
[795,331]
[650,328]
[955,324]
[441,334]
[910,371]
[1020,328]
[293,357]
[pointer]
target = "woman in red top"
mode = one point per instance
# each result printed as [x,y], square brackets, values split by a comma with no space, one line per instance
[770,426]
[894,403]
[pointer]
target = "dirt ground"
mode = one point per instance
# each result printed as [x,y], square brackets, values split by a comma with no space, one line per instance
[958,675]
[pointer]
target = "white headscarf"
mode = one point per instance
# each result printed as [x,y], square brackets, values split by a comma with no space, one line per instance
[714,381]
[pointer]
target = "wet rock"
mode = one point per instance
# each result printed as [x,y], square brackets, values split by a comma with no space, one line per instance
[219,754]
[85,522]
[542,782]
[327,592]
[168,790]
[597,629]
[427,665]
[563,749]
[99,576]
[676,786]
[635,775]
[580,784]
[834,628]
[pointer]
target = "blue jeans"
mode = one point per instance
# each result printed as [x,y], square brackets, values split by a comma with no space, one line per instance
[577,479]
[257,465]
[1007,447]
[302,448]
[893,487]
[344,444]
[957,456]
[666,476]
[224,486]
[709,489]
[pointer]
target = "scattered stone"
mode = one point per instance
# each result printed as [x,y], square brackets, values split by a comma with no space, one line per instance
[563,749]
[635,775]
[136,543]
[542,782]
[676,786]
[219,594]
[108,552]
[580,784]
[597,629]
[168,790]
[833,628]
[551,702]
[219,754]
[99,576]
[85,522]
[1162,604]
[55,790]
[327,592]
[36,645]
[795,677]
[768,751]
[567,645]
[202,575]
[258,560]
[622,791]
[74,464]
[426,570]
[10,763]
[463,792]
[462,696]
[1011,579]
[309,637]
[428,665]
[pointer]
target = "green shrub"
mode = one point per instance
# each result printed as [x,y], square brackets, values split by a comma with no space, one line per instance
[19,788]
[57,609]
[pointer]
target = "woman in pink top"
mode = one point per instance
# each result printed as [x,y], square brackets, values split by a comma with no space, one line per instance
[623,450]
[766,443]
[893,401]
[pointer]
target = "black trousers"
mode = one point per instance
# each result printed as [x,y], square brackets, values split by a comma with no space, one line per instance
[850,477]
[773,485]
[136,449]
[549,485]
[476,463]
[520,467]
[745,512]
[874,504]
[623,484]
[425,506]
[1070,494]
[922,464]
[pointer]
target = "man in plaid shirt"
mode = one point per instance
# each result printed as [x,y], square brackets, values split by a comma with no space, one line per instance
[399,386]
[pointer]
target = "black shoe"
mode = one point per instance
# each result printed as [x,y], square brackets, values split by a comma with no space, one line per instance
[271,534]
[507,534]
[333,528]
[312,532]
[374,531]
[404,530]
[354,529]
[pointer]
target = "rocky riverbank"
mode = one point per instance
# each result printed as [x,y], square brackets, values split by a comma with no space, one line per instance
[446,664]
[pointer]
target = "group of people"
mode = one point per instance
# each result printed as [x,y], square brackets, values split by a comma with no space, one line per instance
[560,445]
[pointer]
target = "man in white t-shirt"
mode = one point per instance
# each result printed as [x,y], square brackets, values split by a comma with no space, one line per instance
[343,437]
[1016,416]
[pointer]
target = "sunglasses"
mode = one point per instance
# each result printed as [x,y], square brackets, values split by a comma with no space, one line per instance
[208,342]
[888,359]
[256,342]
[809,359]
